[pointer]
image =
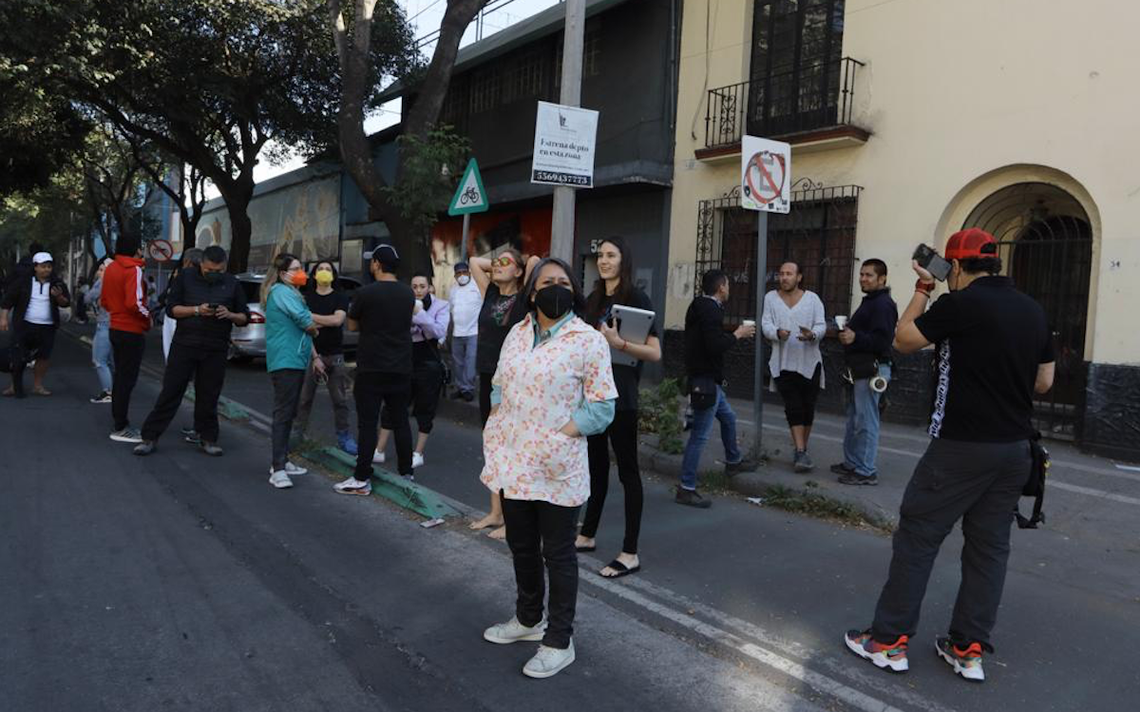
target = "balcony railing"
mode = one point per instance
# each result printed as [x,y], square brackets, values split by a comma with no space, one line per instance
[808,98]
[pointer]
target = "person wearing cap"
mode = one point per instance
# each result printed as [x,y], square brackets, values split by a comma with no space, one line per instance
[35,304]
[382,313]
[867,353]
[994,351]
[466,302]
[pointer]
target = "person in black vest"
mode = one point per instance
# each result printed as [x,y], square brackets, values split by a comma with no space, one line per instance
[706,343]
[208,303]
[35,301]
[994,351]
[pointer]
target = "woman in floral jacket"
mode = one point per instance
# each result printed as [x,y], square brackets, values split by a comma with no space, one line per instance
[554,386]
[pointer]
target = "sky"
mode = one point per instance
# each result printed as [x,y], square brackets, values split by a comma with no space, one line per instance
[425,16]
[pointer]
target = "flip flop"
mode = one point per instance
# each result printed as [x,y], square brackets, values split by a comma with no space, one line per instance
[621,569]
[585,549]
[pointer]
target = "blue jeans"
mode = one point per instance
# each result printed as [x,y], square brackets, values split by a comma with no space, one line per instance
[861,444]
[699,435]
[102,356]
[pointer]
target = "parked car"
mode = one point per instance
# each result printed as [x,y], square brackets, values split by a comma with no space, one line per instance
[248,342]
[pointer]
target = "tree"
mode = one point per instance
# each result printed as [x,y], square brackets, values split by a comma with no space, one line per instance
[39,134]
[211,83]
[352,23]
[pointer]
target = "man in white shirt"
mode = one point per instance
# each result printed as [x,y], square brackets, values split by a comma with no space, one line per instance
[466,302]
[794,323]
[35,304]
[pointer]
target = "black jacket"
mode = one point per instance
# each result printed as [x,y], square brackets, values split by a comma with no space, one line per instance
[874,325]
[19,294]
[205,333]
[706,341]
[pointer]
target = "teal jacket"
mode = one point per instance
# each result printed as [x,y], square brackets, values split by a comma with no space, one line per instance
[286,318]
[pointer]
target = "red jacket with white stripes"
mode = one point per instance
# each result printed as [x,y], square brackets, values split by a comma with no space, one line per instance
[124,295]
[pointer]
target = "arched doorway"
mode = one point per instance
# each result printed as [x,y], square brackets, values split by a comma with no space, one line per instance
[1046,248]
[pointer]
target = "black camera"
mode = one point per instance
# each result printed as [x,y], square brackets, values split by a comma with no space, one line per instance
[932,262]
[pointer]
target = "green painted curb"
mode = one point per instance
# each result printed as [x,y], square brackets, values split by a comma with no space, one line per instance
[396,489]
[228,409]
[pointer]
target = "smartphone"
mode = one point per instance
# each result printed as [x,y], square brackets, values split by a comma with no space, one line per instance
[932,262]
[213,307]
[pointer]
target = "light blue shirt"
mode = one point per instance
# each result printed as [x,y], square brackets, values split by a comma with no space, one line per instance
[591,417]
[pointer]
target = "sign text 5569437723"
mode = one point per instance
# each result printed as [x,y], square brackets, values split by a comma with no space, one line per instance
[564,141]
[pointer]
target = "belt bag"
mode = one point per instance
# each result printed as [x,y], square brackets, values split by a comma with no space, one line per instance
[702,392]
[1035,485]
[858,366]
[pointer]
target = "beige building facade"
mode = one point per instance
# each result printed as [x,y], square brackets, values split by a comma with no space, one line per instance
[909,120]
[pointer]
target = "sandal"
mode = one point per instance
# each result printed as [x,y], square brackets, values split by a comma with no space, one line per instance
[41,391]
[621,569]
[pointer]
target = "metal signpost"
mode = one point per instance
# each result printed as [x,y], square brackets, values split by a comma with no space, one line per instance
[765,186]
[470,197]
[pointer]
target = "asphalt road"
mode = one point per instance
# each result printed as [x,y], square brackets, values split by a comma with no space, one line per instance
[183,582]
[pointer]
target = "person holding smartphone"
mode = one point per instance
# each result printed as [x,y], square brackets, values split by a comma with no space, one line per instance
[794,323]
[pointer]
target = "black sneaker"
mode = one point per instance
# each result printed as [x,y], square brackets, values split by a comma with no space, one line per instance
[841,468]
[468,397]
[690,498]
[745,465]
[191,436]
[854,479]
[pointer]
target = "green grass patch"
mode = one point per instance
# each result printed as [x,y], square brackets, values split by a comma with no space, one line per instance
[660,414]
[820,506]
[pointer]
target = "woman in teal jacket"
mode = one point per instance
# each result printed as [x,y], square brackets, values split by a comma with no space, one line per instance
[289,331]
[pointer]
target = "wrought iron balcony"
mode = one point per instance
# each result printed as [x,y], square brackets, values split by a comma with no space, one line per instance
[809,98]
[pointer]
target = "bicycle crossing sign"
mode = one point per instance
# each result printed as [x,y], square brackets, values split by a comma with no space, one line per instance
[470,196]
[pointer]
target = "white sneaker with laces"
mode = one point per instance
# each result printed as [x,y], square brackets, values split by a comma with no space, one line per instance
[280,479]
[548,662]
[513,632]
[353,486]
[127,435]
[378,458]
[417,459]
[294,470]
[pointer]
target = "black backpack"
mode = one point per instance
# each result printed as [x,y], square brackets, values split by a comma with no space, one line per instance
[1035,485]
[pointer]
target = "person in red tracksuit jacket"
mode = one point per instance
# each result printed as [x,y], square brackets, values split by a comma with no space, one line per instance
[125,299]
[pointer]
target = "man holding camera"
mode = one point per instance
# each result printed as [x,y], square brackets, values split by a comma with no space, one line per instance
[208,303]
[867,355]
[994,351]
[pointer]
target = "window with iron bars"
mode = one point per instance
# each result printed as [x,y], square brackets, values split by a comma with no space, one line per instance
[818,234]
[484,89]
[523,77]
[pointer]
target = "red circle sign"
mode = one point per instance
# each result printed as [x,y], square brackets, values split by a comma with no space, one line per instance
[160,250]
[766,167]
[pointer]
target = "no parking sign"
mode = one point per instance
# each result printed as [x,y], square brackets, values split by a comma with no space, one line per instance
[766,175]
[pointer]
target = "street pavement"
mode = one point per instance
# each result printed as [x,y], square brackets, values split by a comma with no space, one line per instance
[184,582]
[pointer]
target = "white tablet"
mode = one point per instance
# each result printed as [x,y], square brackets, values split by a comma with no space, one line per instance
[633,325]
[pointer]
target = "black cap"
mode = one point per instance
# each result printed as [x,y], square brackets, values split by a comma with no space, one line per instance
[386,255]
[462,267]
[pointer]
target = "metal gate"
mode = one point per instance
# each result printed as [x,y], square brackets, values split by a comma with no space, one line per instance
[1046,248]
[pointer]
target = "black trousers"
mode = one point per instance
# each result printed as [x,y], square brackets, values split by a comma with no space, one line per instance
[29,341]
[127,348]
[538,533]
[800,395]
[980,484]
[287,384]
[392,391]
[208,370]
[622,433]
[485,397]
[427,387]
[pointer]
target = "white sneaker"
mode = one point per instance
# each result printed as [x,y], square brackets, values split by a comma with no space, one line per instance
[127,435]
[280,479]
[353,486]
[377,458]
[417,460]
[294,470]
[513,632]
[548,662]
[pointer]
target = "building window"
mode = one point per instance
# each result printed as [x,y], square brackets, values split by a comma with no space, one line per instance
[484,89]
[523,76]
[591,53]
[818,234]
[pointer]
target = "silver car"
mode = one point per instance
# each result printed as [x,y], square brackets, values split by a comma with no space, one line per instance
[248,342]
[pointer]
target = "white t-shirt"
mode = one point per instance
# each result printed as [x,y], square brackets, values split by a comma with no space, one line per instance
[466,302]
[39,306]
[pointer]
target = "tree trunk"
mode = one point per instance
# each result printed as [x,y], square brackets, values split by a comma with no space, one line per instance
[237,194]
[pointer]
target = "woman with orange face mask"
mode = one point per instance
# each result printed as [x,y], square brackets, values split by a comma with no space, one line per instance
[289,332]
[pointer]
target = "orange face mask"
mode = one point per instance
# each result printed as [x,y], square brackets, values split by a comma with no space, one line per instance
[299,279]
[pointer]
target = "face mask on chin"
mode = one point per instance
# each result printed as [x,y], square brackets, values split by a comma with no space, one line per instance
[554,301]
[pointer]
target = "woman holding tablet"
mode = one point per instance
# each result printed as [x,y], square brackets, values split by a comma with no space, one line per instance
[615,287]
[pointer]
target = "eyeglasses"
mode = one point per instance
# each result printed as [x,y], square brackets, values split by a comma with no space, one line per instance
[504,261]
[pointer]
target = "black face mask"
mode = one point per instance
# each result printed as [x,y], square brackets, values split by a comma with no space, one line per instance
[212,277]
[554,301]
[427,301]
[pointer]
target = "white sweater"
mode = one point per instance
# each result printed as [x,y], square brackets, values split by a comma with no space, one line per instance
[794,355]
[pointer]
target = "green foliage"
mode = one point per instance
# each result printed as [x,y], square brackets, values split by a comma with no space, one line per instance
[425,188]
[820,506]
[660,413]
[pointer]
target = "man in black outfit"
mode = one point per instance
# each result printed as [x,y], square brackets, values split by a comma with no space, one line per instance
[994,351]
[382,313]
[207,303]
[706,343]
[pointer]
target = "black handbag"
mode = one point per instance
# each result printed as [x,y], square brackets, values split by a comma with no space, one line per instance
[1035,485]
[702,392]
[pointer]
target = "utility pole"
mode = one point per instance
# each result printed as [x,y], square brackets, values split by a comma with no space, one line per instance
[573,40]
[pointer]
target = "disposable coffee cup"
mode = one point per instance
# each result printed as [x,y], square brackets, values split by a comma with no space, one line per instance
[749,322]
[840,322]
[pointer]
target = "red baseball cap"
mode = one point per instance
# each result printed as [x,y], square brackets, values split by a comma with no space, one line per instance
[965,244]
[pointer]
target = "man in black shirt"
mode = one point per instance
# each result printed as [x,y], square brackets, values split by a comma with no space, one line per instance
[994,351]
[207,303]
[706,342]
[382,313]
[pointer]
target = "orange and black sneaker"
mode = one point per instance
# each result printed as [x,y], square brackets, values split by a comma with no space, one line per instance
[967,662]
[891,658]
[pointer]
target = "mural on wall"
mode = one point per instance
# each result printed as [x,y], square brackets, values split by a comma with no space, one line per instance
[303,219]
[526,230]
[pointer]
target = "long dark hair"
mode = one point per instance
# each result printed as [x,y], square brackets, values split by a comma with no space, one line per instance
[579,306]
[624,292]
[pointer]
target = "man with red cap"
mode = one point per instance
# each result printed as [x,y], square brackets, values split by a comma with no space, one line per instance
[994,351]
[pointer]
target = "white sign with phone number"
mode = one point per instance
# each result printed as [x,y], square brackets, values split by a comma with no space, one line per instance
[564,142]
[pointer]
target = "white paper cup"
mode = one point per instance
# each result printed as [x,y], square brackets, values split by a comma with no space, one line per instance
[749,322]
[840,322]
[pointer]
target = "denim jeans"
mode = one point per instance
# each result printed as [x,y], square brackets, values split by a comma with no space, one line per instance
[463,350]
[699,435]
[861,443]
[102,357]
